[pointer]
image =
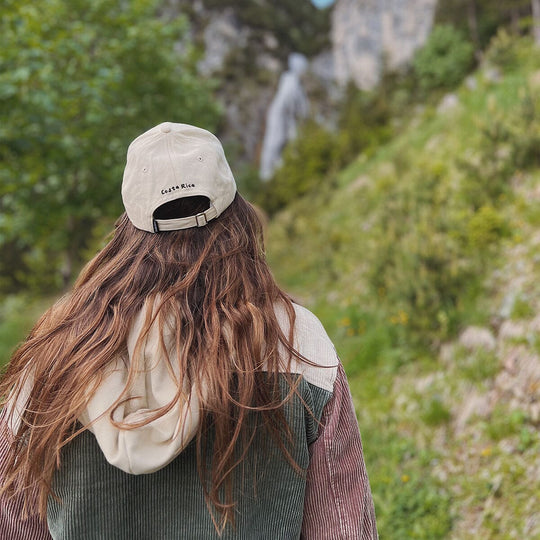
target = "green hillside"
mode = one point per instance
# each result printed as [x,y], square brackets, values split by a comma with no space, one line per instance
[422,260]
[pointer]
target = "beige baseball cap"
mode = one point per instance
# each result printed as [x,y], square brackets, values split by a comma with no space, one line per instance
[173,161]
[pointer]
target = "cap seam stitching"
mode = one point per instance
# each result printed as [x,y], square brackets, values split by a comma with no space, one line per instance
[170,158]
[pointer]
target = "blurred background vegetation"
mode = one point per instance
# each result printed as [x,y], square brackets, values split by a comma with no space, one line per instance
[410,224]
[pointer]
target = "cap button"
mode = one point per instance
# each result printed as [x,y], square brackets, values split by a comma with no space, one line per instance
[166,128]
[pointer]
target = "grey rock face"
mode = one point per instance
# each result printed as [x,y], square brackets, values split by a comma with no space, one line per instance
[322,66]
[474,337]
[221,35]
[368,33]
[247,63]
[448,103]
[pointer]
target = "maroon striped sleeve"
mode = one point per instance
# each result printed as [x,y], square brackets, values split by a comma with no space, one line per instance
[12,526]
[338,502]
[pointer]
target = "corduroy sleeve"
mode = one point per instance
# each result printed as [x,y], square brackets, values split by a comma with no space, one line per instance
[12,526]
[338,502]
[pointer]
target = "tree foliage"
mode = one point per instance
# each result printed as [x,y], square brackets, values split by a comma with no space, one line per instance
[444,60]
[307,163]
[481,19]
[298,25]
[78,81]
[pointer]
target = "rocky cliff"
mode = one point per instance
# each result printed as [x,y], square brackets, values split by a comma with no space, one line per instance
[244,45]
[368,33]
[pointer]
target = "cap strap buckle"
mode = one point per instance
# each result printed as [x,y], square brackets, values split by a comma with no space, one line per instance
[201,219]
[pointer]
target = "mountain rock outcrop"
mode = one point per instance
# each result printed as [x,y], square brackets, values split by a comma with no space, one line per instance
[369,34]
[244,46]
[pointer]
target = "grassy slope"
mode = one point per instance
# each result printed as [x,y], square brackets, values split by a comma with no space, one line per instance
[431,478]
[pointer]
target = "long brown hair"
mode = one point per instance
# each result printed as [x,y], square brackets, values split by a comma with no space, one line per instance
[214,285]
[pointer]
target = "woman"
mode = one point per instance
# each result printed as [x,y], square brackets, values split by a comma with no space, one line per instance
[176,391]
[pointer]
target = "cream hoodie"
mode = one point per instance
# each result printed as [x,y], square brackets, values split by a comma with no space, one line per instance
[150,447]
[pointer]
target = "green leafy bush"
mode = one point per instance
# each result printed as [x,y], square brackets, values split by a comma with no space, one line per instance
[503,50]
[417,264]
[444,60]
[78,81]
[298,26]
[509,142]
[307,164]
[486,227]
[364,121]
[509,52]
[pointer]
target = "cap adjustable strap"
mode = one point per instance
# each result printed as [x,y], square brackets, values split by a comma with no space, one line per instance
[198,220]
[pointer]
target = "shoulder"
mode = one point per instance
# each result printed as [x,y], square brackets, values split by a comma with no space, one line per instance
[313,343]
[307,322]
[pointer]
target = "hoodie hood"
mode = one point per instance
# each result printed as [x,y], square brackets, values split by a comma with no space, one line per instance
[147,448]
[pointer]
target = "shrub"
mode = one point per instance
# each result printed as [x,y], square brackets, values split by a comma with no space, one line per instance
[509,143]
[502,50]
[444,60]
[364,121]
[78,81]
[307,163]
[416,257]
[510,53]
[486,227]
